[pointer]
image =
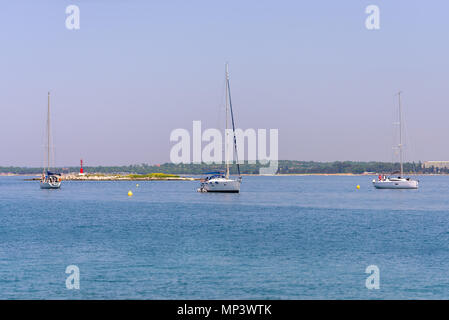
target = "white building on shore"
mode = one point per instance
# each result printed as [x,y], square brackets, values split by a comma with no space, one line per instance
[436,164]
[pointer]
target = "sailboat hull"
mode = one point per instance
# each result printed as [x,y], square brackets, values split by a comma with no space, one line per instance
[221,185]
[50,182]
[396,184]
[49,185]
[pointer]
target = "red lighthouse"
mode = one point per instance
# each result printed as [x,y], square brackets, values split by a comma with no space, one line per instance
[81,168]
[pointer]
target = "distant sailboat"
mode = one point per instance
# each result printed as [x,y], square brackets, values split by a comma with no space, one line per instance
[49,180]
[219,181]
[399,182]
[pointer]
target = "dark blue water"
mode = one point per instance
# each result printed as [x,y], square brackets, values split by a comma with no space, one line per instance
[281,237]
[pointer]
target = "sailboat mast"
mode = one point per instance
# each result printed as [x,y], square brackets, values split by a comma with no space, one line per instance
[233,123]
[400,135]
[48,133]
[226,128]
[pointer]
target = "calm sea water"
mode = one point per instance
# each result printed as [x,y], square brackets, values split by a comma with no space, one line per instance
[281,237]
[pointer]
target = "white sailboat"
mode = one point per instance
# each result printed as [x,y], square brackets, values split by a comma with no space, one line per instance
[219,181]
[49,180]
[398,182]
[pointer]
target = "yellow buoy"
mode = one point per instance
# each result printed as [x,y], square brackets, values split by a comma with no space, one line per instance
[137,185]
[358,187]
[130,193]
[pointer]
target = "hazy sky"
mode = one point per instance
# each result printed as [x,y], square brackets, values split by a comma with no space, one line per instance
[136,70]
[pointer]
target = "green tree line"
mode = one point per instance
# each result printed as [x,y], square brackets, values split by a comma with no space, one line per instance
[284,167]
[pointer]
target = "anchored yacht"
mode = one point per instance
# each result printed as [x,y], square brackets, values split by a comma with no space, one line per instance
[221,181]
[218,182]
[49,180]
[399,181]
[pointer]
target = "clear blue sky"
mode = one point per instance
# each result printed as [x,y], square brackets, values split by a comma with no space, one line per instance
[136,70]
